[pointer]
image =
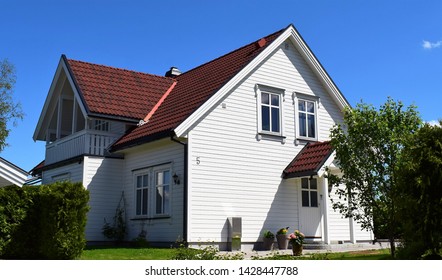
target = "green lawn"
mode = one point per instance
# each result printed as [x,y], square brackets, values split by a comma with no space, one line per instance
[107,253]
[101,253]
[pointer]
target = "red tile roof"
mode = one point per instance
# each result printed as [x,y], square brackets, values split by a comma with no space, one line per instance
[193,88]
[117,92]
[309,160]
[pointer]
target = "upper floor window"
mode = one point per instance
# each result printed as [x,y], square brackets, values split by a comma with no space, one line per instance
[307,118]
[100,125]
[269,110]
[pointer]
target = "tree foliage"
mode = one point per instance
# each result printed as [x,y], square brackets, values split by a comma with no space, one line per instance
[9,110]
[368,147]
[420,184]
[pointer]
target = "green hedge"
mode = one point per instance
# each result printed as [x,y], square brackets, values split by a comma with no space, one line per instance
[43,222]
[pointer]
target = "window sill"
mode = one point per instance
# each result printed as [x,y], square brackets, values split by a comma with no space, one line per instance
[304,140]
[270,136]
[150,218]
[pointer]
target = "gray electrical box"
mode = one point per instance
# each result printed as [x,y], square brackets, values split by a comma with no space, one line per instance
[235,233]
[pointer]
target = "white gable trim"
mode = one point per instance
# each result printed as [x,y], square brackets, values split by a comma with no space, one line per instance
[182,129]
[328,163]
[12,174]
[42,121]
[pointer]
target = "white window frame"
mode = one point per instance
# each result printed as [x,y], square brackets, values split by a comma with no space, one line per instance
[259,90]
[299,97]
[151,191]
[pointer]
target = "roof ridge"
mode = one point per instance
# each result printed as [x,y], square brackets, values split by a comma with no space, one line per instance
[233,51]
[121,69]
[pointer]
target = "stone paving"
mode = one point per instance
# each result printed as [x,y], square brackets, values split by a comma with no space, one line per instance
[312,249]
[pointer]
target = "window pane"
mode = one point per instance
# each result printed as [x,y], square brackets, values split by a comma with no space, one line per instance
[159,178]
[166,200]
[159,200]
[265,98]
[314,199]
[166,177]
[265,117]
[304,183]
[305,202]
[145,180]
[310,107]
[139,181]
[302,126]
[301,106]
[138,202]
[275,119]
[275,100]
[144,202]
[313,184]
[311,126]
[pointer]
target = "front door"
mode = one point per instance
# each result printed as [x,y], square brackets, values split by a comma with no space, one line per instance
[310,213]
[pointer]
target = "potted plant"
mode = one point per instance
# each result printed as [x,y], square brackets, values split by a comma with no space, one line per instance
[296,239]
[281,237]
[268,239]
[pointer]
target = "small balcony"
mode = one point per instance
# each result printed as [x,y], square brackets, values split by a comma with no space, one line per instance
[84,142]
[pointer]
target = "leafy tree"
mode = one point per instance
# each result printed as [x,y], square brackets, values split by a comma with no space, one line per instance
[420,184]
[9,110]
[368,148]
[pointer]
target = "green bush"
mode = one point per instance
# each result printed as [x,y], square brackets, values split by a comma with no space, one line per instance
[13,208]
[48,222]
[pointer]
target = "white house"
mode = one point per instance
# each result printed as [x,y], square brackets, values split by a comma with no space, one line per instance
[244,135]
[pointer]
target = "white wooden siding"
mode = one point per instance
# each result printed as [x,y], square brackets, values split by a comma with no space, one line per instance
[145,156]
[75,171]
[103,179]
[239,175]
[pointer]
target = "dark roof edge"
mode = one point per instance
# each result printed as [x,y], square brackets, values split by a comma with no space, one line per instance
[299,174]
[77,87]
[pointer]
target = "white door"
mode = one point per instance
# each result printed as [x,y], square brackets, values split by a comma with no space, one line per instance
[310,211]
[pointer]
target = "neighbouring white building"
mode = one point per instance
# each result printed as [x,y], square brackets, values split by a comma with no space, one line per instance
[11,174]
[244,135]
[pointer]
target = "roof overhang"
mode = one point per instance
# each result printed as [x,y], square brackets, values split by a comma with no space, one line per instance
[11,174]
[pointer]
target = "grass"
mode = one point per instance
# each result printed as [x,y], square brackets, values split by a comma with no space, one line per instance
[112,253]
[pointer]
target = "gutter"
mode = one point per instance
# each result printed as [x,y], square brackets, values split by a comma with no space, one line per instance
[185,185]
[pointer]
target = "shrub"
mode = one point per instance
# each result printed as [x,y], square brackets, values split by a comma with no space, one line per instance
[47,223]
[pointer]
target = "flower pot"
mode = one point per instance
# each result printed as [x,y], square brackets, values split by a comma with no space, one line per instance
[283,242]
[267,243]
[297,250]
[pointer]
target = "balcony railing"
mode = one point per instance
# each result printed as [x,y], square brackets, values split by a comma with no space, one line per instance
[80,143]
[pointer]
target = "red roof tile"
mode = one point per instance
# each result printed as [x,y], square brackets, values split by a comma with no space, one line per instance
[193,88]
[309,160]
[117,92]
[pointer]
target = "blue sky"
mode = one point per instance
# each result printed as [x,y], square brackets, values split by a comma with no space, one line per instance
[371,49]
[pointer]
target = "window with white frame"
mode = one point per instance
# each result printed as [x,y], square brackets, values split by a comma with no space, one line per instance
[153,192]
[307,124]
[309,190]
[269,109]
